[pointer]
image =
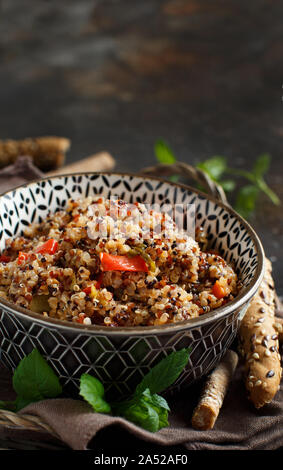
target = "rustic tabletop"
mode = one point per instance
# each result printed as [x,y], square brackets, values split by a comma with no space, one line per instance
[116,75]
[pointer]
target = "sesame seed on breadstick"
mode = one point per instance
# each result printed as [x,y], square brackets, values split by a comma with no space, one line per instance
[214,391]
[258,343]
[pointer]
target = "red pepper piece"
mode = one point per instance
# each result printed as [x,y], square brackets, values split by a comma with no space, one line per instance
[4,259]
[22,257]
[49,247]
[87,290]
[122,263]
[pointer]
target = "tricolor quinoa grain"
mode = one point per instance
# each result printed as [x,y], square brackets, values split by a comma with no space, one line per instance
[94,265]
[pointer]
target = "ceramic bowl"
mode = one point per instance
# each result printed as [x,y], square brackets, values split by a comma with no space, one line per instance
[121,356]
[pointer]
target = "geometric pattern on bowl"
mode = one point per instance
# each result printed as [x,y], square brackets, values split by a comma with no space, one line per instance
[121,358]
[119,362]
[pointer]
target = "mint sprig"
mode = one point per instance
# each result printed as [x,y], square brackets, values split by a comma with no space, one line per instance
[35,380]
[217,169]
[145,407]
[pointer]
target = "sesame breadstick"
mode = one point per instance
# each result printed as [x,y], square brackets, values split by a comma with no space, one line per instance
[213,394]
[47,152]
[258,344]
[278,325]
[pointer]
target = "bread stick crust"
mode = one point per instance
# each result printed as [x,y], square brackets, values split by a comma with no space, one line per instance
[259,345]
[206,412]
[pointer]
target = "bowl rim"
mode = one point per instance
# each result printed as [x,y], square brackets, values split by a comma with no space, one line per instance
[239,302]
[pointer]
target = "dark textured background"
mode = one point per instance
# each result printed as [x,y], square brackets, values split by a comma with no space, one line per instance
[118,74]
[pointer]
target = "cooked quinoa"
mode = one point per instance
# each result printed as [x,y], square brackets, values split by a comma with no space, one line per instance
[68,267]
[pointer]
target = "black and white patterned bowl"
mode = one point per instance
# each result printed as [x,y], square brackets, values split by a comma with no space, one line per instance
[120,357]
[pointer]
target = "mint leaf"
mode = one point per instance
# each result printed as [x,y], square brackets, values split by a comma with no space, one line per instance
[145,410]
[92,390]
[214,167]
[164,373]
[228,185]
[163,153]
[34,380]
[246,200]
[141,414]
[156,400]
[261,165]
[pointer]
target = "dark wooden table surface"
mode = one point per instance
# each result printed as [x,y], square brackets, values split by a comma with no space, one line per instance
[118,74]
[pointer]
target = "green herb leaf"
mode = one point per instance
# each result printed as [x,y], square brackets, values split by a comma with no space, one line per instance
[146,410]
[163,153]
[159,404]
[256,178]
[157,400]
[246,200]
[214,167]
[92,390]
[140,413]
[34,380]
[261,165]
[164,373]
[228,185]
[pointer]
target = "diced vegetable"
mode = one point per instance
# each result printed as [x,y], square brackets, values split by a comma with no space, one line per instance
[22,257]
[87,290]
[122,263]
[93,292]
[49,247]
[219,291]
